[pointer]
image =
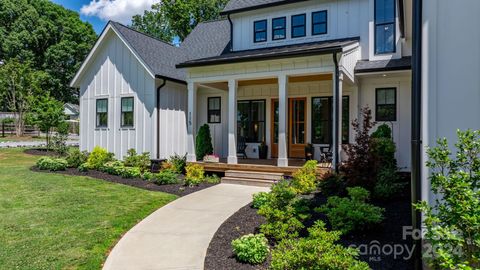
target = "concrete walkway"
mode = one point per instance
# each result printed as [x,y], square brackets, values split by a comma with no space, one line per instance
[177,235]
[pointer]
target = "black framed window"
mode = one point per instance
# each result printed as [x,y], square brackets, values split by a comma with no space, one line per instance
[102,112]
[251,120]
[319,22]
[279,26]
[386,104]
[322,120]
[214,110]
[384,26]
[298,25]
[260,31]
[127,112]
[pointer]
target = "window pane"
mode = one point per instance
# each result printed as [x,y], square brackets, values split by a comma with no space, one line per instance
[319,17]
[321,120]
[278,23]
[251,120]
[102,105]
[390,96]
[214,103]
[261,36]
[380,96]
[385,38]
[127,119]
[384,11]
[298,31]
[298,20]
[319,29]
[258,110]
[345,120]
[279,34]
[127,104]
[261,26]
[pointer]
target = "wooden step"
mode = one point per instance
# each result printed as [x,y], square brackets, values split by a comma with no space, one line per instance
[247,181]
[254,175]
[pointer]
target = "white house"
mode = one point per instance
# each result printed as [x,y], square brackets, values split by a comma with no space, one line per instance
[286,73]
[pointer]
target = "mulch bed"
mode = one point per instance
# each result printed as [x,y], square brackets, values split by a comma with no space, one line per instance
[389,233]
[177,189]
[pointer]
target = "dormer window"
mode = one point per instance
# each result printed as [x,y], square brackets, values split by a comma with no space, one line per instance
[384,26]
[298,25]
[319,23]
[279,26]
[260,31]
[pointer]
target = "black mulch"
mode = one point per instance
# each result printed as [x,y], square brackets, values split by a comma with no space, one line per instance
[388,234]
[177,189]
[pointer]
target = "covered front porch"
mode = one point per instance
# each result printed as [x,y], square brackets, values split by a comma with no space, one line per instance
[290,105]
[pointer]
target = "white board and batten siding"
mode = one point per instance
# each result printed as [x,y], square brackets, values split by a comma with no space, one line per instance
[115,72]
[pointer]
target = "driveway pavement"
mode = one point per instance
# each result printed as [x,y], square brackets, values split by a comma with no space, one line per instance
[177,235]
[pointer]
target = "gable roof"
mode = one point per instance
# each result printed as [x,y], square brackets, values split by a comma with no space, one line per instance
[303,49]
[235,6]
[208,39]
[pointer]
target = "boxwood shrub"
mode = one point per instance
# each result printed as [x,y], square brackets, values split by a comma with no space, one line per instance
[251,248]
[52,164]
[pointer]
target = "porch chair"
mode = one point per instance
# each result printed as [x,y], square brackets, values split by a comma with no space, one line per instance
[242,146]
[326,154]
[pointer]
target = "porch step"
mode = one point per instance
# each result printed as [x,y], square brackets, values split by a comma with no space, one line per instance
[251,178]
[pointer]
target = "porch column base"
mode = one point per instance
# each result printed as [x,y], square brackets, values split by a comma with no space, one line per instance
[232,160]
[282,162]
[191,158]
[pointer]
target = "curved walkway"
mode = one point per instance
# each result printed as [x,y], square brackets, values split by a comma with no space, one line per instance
[177,235]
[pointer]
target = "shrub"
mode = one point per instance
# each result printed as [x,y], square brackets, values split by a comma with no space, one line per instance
[305,179]
[195,174]
[76,158]
[383,153]
[130,172]
[354,213]
[387,184]
[212,179]
[317,251]
[52,164]
[452,223]
[148,176]
[260,199]
[203,142]
[333,184]
[118,168]
[178,163]
[383,131]
[165,177]
[284,212]
[132,159]
[251,248]
[83,167]
[98,158]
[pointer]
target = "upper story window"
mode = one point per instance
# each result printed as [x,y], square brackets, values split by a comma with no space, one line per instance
[384,26]
[127,112]
[386,104]
[319,22]
[214,110]
[102,113]
[260,31]
[298,25]
[279,26]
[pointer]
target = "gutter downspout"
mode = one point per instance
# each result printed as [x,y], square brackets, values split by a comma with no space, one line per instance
[336,125]
[231,32]
[158,116]
[416,184]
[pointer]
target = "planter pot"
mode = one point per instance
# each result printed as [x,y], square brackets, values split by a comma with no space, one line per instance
[309,152]
[262,152]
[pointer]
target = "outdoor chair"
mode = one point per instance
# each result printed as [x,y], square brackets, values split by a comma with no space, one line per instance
[241,147]
[326,154]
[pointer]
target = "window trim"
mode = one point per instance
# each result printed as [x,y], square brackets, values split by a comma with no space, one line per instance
[377,105]
[326,23]
[255,31]
[330,120]
[375,24]
[97,124]
[121,112]
[304,25]
[219,110]
[284,28]
[250,101]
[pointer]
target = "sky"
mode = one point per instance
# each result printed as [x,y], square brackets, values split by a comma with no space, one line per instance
[99,12]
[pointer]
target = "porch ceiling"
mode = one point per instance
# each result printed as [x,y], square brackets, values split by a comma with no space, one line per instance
[266,81]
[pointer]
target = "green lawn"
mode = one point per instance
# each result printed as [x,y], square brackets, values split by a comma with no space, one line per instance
[51,221]
[11,138]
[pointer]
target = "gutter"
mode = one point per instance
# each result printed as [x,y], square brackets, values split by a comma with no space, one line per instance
[158,116]
[255,7]
[416,184]
[165,78]
[231,32]
[336,125]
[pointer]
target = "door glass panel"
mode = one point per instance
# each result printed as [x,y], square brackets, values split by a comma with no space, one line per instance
[298,121]
[275,121]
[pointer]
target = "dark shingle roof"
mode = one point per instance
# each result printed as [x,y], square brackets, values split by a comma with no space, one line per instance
[159,56]
[234,6]
[208,39]
[313,48]
[366,66]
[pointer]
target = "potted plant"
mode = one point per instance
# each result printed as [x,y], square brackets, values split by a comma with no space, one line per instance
[211,158]
[309,151]
[262,151]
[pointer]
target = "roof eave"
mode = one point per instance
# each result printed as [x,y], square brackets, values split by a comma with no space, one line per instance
[281,3]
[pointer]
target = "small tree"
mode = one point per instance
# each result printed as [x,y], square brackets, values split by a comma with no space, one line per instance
[453,221]
[203,143]
[48,113]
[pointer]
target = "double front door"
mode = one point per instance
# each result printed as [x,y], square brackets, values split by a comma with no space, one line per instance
[296,125]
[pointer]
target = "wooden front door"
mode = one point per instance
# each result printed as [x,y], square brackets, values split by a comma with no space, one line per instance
[297,135]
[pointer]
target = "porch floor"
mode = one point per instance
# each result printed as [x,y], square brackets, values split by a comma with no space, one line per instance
[261,165]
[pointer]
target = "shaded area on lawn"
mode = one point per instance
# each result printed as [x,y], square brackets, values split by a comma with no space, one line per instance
[55,221]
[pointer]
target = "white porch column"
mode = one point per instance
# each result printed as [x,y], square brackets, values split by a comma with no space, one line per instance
[191,121]
[337,127]
[282,121]
[232,121]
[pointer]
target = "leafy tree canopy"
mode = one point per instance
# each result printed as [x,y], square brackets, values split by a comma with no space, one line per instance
[50,37]
[171,18]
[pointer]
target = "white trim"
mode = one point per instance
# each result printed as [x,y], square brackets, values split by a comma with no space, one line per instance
[75,81]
